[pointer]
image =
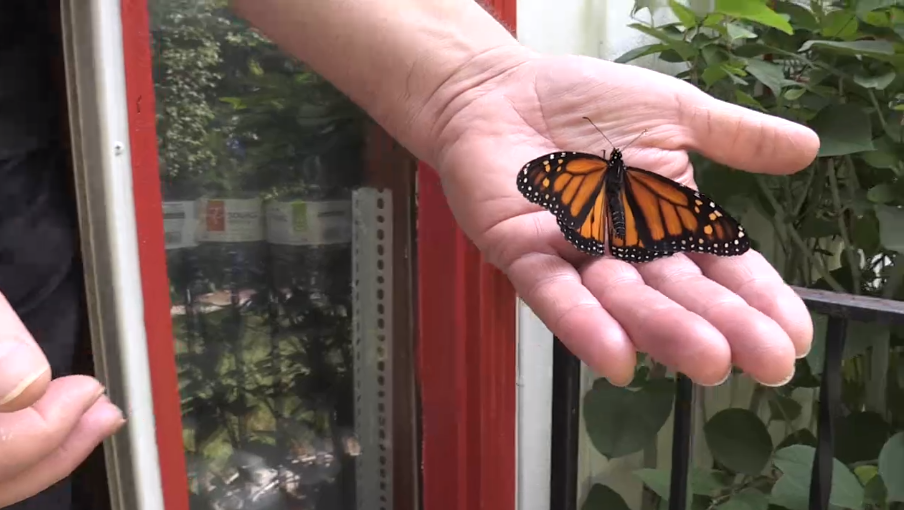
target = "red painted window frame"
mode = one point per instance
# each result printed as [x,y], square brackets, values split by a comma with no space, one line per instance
[466,356]
[136,40]
[466,338]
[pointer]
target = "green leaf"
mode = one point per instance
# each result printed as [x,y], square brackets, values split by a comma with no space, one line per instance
[881,193]
[794,94]
[792,489]
[657,480]
[891,467]
[874,491]
[713,19]
[876,19]
[686,16]
[800,436]
[767,73]
[746,99]
[856,48]
[738,31]
[814,227]
[622,421]
[860,436]
[738,440]
[891,227]
[650,5]
[885,155]
[866,6]
[865,232]
[684,49]
[843,129]
[840,24]
[713,74]
[707,482]
[754,11]
[643,51]
[702,481]
[801,17]
[865,473]
[747,499]
[602,497]
[782,408]
[875,82]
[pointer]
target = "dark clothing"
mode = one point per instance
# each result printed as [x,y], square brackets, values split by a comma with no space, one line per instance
[40,272]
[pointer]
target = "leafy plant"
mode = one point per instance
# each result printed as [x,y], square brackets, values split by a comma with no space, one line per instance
[839,224]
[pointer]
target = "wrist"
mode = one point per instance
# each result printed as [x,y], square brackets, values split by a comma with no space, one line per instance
[427,131]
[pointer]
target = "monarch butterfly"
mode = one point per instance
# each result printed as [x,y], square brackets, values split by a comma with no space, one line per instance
[640,214]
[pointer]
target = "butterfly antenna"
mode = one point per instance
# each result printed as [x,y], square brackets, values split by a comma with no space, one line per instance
[600,131]
[635,139]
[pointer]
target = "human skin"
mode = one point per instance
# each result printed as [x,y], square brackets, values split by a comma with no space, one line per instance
[453,86]
[47,428]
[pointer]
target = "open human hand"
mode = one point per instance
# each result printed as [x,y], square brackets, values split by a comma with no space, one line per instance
[696,313]
[47,428]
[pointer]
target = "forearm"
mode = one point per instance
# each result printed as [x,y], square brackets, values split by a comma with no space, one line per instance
[403,61]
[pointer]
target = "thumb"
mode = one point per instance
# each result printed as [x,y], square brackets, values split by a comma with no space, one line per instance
[24,370]
[745,139]
[24,373]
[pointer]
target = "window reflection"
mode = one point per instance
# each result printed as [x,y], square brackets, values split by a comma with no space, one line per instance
[283,365]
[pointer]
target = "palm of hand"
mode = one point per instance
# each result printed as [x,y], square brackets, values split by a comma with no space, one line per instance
[698,314]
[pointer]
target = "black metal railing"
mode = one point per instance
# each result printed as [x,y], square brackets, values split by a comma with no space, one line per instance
[840,308]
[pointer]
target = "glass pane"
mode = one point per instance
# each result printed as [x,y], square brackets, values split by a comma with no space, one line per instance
[286,214]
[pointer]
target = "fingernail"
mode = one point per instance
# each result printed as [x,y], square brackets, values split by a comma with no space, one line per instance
[111,408]
[21,364]
[721,382]
[782,382]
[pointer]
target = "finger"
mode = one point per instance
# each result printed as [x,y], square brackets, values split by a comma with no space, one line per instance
[100,421]
[746,139]
[753,278]
[31,434]
[552,288]
[759,346]
[674,336]
[24,370]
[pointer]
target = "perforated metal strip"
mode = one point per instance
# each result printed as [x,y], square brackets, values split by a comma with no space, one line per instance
[372,323]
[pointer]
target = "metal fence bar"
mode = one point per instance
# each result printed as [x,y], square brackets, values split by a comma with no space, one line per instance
[829,398]
[566,423]
[840,308]
[682,432]
[851,307]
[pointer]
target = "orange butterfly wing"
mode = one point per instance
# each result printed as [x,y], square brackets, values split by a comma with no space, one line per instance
[571,185]
[664,217]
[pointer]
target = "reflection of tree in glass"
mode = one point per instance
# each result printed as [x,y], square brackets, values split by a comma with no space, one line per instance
[262,330]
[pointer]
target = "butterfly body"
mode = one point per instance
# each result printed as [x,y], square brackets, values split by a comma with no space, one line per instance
[603,205]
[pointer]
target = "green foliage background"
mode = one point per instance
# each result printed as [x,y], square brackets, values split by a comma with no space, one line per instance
[835,66]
